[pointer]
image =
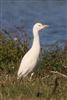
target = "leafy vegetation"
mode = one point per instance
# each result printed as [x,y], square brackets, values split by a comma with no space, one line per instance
[10,54]
[42,83]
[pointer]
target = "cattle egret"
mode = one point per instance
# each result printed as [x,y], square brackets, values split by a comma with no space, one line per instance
[30,58]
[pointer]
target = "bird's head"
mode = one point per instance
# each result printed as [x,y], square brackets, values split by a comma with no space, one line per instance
[39,26]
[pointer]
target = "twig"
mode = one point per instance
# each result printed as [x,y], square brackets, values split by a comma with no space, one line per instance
[45,77]
[64,66]
[56,72]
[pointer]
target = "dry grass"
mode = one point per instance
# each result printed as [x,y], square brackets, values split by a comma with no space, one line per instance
[36,89]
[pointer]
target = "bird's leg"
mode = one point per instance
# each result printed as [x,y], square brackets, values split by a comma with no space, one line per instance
[31,75]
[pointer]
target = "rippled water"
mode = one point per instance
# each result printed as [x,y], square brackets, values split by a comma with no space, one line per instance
[18,13]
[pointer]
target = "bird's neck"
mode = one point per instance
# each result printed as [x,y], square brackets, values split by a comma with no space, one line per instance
[36,40]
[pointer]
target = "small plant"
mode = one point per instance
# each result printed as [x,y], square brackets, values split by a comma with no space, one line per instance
[11,54]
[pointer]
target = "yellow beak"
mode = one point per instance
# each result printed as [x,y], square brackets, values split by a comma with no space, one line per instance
[45,26]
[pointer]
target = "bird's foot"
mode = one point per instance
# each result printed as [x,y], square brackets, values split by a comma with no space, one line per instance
[31,75]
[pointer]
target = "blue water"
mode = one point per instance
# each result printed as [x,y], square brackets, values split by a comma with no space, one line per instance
[24,13]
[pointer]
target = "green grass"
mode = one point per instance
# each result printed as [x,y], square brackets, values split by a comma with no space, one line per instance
[41,86]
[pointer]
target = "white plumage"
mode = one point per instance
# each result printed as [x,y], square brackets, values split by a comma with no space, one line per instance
[30,58]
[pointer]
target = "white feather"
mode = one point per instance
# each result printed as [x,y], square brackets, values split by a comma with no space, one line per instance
[30,59]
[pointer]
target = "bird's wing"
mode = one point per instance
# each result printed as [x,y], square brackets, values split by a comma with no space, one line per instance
[28,62]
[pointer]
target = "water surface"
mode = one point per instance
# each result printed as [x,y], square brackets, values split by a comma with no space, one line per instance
[18,13]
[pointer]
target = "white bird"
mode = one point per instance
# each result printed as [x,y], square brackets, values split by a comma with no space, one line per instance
[30,58]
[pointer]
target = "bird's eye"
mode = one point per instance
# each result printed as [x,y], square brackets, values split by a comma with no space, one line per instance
[39,25]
